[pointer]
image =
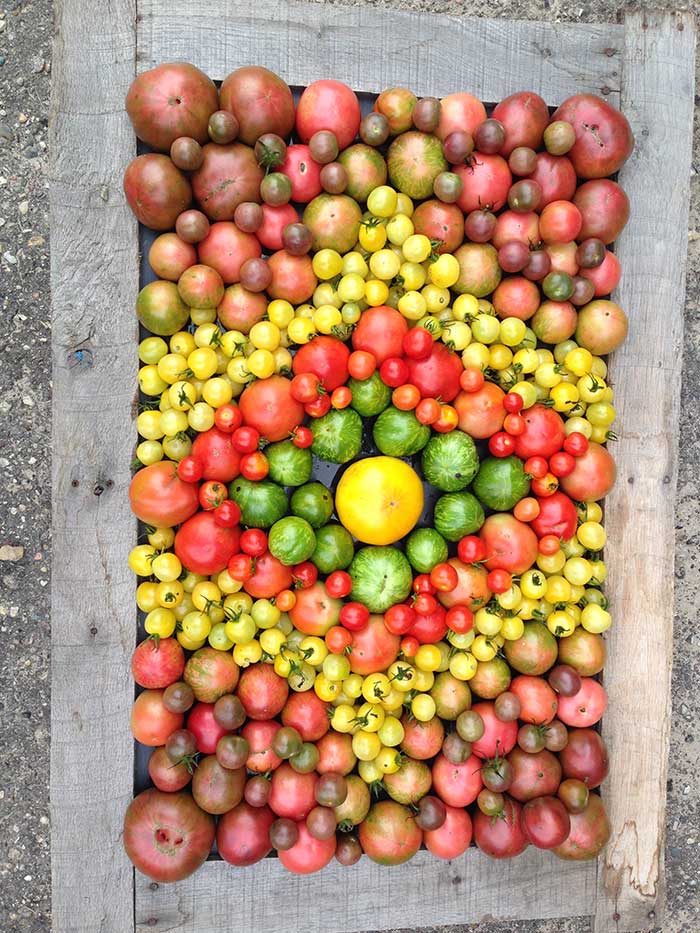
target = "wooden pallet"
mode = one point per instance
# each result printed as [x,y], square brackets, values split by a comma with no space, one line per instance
[645,66]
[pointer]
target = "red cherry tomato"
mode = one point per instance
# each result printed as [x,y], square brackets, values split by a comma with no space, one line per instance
[549,544]
[460,619]
[527,509]
[471,549]
[536,466]
[190,469]
[562,463]
[498,581]
[405,397]
[212,494]
[512,402]
[424,604]
[354,616]
[409,646]
[575,444]
[472,379]
[302,436]
[245,439]
[423,584]
[444,577]
[254,542]
[338,639]
[361,364]
[254,466]
[228,418]
[428,410]
[399,618]
[305,387]
[417,343]
[319,407]
[228,514]
[341,397]
[514,424]
[545,485]
[241,567]
[304,575]
[338,584]
[501,444]
[448,420]
[393,371]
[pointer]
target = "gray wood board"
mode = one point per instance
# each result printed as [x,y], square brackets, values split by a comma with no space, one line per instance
[657,97]
[371,49]
[423,892]
[94,280]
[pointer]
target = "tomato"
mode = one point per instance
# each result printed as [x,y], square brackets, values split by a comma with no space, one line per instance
[338,584]
[589,833]
[501,444]
[245,439]
[268,406]
[545,486]
[561,463]
[204,546]
[315,610]
[501,837]
[262,692]
[293,277]
[453,838]
[254,542]
[516,297]
[459,112]
[389,834]
[443,577]
[241,309]
[560,222]
[206,729]
[481,413]
[510,545]
[327,358]
[399,618]
[164,774]
[167,836]
[354,616]
[303,437]
[585,757]
[422,740]
[543,436]
[438,375]
[604,140]
[151,721]
[472,589]
[211,674]
[190,470]
[440,221]
[307,714]
[499,581]
[292,795]
[524,116]
[534,652]
[424,603]
[362,364]
[225,248]
[457,785]
[211,494]
[328,105]
[214,450]
[471,549]
[243,834]
[215,788]
[430,627]
[538,702]
[591,479]
[338,639]
[459,619]
[156,664]
[394,371]
[303,172]
[485,180]
[160,498]
[576,444]
[308,854]
[259,735]
[374,648]
[557,516]
[499,737]
[304,574]
[335,754]
[586,707]
[556,177]
[254,466]
[545,822]
[605,209]
[380,331]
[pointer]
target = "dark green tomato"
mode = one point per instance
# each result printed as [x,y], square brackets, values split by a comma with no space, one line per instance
[223,127]
[286,742]
[178,697]
[314,502]
[305,759]
[232,751]
[447,187]
[425,548]
[270,150]
[455,749]
[489,802]
[276,189]
[501,483]
[399,433]
[289,465]
[574,795]
[180,744]
[470,725]
[261,502]
[497,775]
[334,549]
[374,129]
[331,789]
[558,286]
[369,396]
[229,712]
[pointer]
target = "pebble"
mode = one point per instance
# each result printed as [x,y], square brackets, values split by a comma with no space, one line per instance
[8,257]
[11,553]
[23,207]
[23,118]
[5,131]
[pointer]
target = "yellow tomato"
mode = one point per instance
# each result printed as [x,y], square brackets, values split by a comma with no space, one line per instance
[416,248]
[376,292]
[379,500]
[463,665]
[592,536]
[423,707]
[445,271]
[372,235]
[160,622]
[366,745]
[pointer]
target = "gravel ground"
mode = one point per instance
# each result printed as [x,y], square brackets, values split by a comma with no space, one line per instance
[25,34]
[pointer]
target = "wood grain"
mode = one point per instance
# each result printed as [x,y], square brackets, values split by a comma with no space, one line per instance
[423,892]
[371,49]
[94,280]
[657,97]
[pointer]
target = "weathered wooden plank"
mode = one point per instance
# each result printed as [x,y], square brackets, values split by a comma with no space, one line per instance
[94,279]
[371,49]
[423,892]
[657,96]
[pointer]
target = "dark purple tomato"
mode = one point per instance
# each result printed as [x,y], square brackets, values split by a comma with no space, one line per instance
[479,226]
[447,187]
[538,265]
[513,256]
[192,226]
[248,217]
[257,791]
[426,114]
[178,697]
[564,680]
[186,153]
[458,146]
[283,834]
[297,239]
[321,822]
[323,147]
[276,189]
[229,712]
[524,196]
[223,127]
[490,136]
[374,129]
[522,161]
[334,178]
[431,813]
[270,150]
[348,850]
[507,706]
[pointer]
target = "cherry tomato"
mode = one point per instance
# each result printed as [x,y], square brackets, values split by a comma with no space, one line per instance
[500,444]
[514,424]
[338,584]
[424,604]
[212,494]
[190,469]
[575,444]
[241,567]
[549,544]
[319,407]
[354,616]
[544,486]
[362,364]
[305,387]
[444,577]
[512,402]
[228,514]
[471,549]
[498,581]
[245,439]
[527,509]
[409,646]
[428,410]
[285,600]
[562,463]
[304,575]
[302,436]
[341,397]
[459,619]
[393,371]
[227,418]
[448,420]
[405,397]
[472,379]
[422,584]
[254,542]
[536,466]
[399,618]
[338,639]
[254,466]
[417,343]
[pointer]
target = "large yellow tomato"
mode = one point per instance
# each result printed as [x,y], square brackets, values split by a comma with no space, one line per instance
[379,499]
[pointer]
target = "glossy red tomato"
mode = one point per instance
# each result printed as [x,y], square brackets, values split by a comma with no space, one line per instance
[544,433]
[593,476]
[304,575]
[303,172]
[380,331]
[399,618]
[481,413]
[557,516]
[327,358]
[204,546]
[190,470]
[308,854]
[151,721]
[394,371]
[535,774]
[319,407]
[453,838]
[498,736]
[243,834]
[308,714]
[160,498]
[430,627]
[460,619]
[560,222]
[354,616]
[164,774]
[374,648]
[268,406]
[329,105]
[502,837]
[436,376]
[417,343]
[207,731]
[510,545]
[457,785]
[211,494]
[545,822]
[338,584]
[255,466]
[254,542]
[422,740]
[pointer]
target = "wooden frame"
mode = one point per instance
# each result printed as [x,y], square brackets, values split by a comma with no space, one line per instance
[647,67]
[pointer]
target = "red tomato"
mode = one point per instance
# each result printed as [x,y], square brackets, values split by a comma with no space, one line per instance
[428,410]
[471,549]
[254,542]
[160,498]
[443,577]
[394,371]
[341,397]
[460,619]
[409,646]
[510,545]
[267,405]
[513,424]
[424,603]
[457,785]
[225,248]
[227,418]
[303,172]
[206,730]
[438,375]
[304,575]
[292,794]
[499,581]
[605,277]
[293,277]
[460,111]
[585,757]
[308,854]
[422,740]
[549,544]
[335,753]
[212,494]
[157,663]
[557,516]
[516,296]
[524,116]
[338,584]
[307,714]
[481,413]
[243,834]
[164,774]
[228,514]
[245,439]
[417,343]
[380,331]
[190,470]
[536,466]
[543,435]
[406,397]
[498,736]
[513,402]
[151,721]
[561,463]
[338,639]
[472,379]
[303,437]
[586,707]
[501,444]
[374,648]
[315,611]
[591,479]
[329,105]
[354,616]
[259,734]
[327,358]
[485,180]
[319,407]
[502,837]
[555,176]
[399,618]
[576,444]
[361,364]
[538,702]
[255,466]
[431,627]
[472,589]
[204,546]
[262,692]
[535,774]
[560,222]
[275,219]
[241,567]
[453,838]
[545,822]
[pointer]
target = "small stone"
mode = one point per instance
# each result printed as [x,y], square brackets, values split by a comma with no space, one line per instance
[2,60]
[28,401]
[8,257]
[5,131]
[23,118]
[23,207]
[31,152]
[36,241]
[11,552]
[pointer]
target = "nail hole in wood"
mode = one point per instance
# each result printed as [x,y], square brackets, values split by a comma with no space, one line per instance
[109,484]
[152,921]
[74,483]
[153,886]
[630,480]
[616,916]
[610,52]
[667,480]
[93,630]
[98,490]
